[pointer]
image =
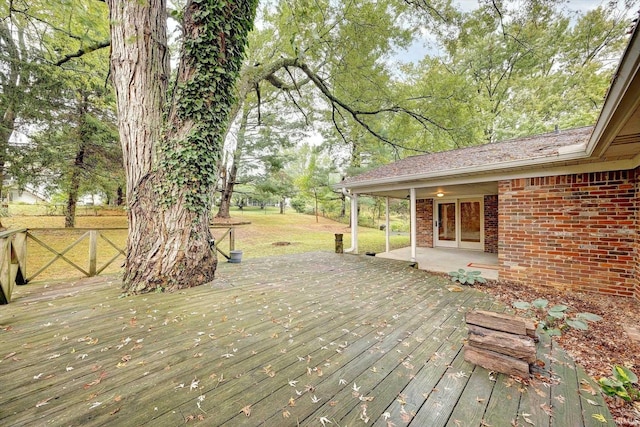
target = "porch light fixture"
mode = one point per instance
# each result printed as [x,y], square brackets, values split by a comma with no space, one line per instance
[440,194]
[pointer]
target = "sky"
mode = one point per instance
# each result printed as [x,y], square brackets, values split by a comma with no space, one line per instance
[420,48]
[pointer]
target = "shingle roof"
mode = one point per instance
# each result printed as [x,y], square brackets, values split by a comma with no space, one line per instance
[487,155]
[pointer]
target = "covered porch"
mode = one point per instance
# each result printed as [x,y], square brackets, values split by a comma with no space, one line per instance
[444,260]
[452,225]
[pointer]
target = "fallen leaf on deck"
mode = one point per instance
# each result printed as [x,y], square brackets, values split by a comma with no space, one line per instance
[43,402]
[587,388]
[246,410]
[324,421]
[526,418]
[406,417]
[547,409]
[599,417]
[102,376]
[292,402]
[286,414]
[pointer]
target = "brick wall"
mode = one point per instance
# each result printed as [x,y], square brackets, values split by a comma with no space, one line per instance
[570,231]
[491,223]
[637,234]
[424,223]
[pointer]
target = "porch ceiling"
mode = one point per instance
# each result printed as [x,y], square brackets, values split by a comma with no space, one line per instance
[426,191]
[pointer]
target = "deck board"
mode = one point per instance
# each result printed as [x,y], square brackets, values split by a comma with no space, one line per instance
[295,340]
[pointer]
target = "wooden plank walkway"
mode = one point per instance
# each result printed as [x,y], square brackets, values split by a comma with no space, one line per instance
[314,339]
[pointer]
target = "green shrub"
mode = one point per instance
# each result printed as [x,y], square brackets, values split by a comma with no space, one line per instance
[554,320]
[466,277]
[621,384]
[299,205]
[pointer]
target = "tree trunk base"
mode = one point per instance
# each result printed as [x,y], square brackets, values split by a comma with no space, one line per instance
[167,249]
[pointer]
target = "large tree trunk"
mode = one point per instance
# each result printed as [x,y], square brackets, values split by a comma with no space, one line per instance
[168,182]
[119,196]
[78,166]
[229,182]
[74,187]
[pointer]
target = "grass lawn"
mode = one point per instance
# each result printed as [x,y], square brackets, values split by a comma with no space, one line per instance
[268,233]
[269,229]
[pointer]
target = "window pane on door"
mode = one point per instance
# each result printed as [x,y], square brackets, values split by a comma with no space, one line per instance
[447,221]
[470,217]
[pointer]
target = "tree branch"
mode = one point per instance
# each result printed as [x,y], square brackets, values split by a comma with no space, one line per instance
[83,51]
[356,114]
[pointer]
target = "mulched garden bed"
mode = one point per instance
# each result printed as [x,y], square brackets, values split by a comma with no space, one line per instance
[605,344]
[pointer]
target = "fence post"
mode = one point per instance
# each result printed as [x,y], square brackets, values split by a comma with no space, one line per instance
[20,251]
[232,239]
[6,284]
[93,252]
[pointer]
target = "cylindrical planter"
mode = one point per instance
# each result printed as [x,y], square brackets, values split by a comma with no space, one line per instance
[235,256]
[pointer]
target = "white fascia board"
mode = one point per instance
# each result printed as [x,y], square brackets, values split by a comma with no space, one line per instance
[477,178]
[606,127]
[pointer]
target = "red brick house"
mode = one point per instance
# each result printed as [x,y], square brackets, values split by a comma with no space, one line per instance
[559,209]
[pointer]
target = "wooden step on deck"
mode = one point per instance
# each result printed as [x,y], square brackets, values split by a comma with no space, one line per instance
[309,339]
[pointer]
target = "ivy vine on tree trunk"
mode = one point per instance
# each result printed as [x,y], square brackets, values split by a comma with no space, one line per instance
[171,146]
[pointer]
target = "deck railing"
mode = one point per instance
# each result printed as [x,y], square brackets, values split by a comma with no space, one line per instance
[231,234]
[13,254]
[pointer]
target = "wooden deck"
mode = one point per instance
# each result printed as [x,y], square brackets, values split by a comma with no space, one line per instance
[313,339]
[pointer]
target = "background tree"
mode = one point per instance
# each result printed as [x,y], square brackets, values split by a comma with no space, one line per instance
[278,184]
[531,67]
[259,144]
[76,154]
[326,61]
[62,109]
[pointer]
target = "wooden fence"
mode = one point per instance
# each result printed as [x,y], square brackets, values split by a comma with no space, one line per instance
[13,254]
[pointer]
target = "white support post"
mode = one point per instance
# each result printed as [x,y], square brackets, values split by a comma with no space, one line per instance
[412,196]
[354,223]
[386,227]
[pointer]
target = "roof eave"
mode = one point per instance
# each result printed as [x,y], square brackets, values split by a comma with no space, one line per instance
[612,118]
[569,153]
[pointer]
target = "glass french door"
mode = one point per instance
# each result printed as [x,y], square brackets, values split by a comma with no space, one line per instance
[459,223]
